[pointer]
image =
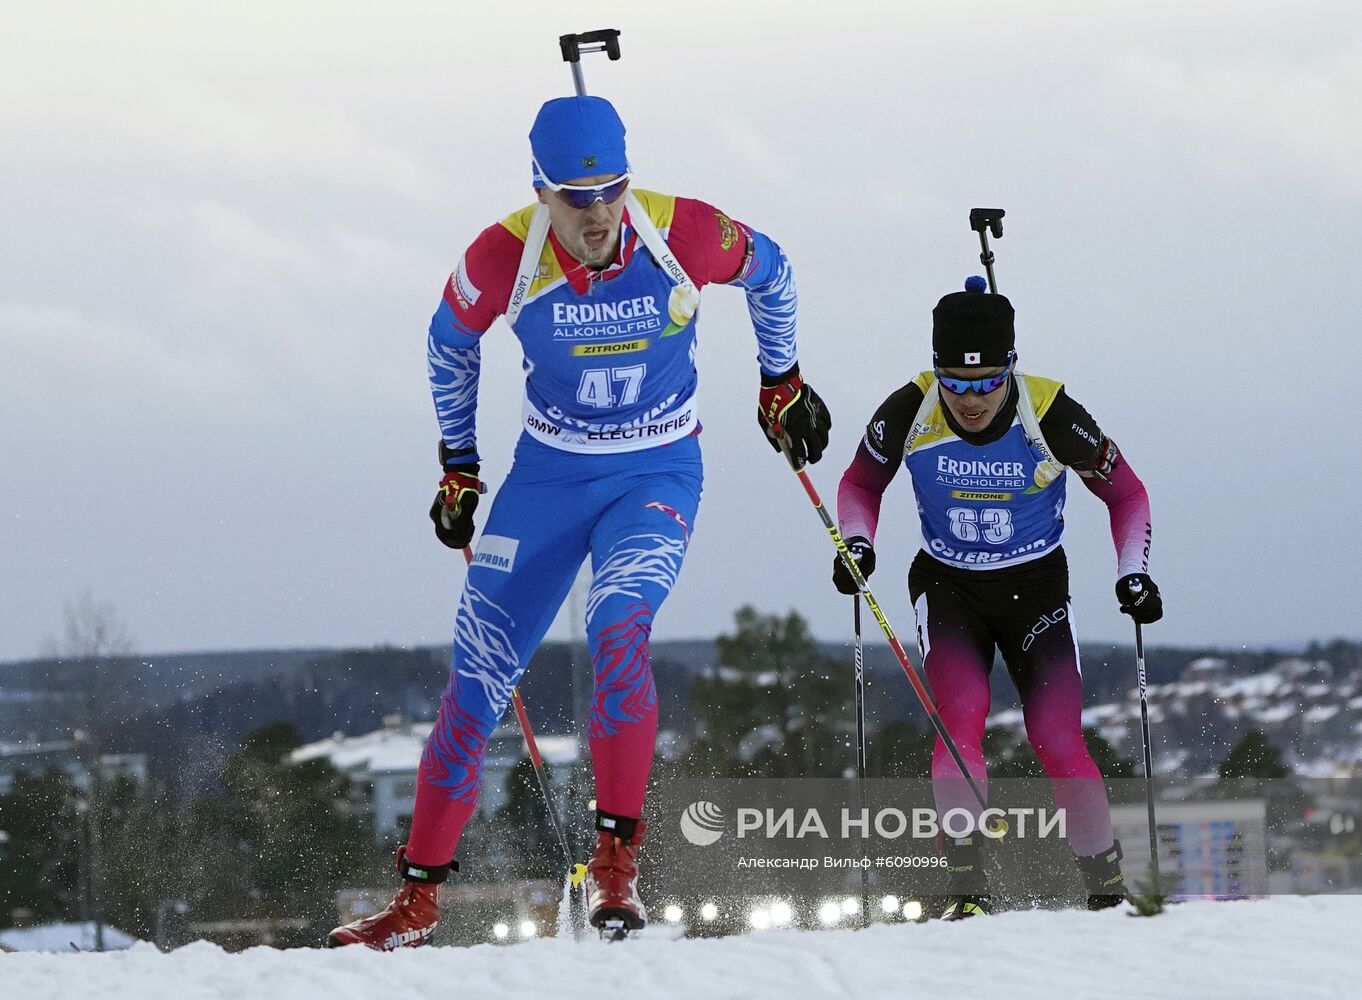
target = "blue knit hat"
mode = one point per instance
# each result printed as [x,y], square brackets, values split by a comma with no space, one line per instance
[577,137]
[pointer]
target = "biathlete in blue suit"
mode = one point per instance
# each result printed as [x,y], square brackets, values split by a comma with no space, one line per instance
[601,283]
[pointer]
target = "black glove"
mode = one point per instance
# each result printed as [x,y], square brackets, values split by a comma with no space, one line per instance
[453,508]
[1139,598]
[788,402]
[864,553]
[454,504]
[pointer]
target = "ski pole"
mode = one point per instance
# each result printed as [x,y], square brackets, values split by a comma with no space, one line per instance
[576,872]
[924,695]
[605,40]
[983,221]
[1148,751]
[860,749]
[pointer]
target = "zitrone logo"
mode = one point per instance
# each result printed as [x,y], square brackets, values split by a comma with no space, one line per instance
[702,823]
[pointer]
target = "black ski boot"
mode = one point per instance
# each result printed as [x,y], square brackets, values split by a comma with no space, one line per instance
[968,889]
[1102,877]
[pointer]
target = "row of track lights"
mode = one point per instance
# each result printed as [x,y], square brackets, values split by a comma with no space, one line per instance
[528,929]
[780,912]
[776,913]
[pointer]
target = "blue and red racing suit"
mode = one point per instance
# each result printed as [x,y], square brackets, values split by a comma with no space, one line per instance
[608,466]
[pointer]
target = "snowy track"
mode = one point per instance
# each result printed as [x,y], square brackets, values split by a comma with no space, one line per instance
[1297,947]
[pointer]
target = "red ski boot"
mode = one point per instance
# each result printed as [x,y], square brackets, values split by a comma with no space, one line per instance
[409,920]
[613,903]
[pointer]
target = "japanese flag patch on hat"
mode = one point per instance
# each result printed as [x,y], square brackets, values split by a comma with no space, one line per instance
[972,328]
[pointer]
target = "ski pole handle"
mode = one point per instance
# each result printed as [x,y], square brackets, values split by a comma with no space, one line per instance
[796,465]
[605,40]
[987,218]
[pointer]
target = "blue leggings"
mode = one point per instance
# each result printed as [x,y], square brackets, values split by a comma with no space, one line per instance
[632,513]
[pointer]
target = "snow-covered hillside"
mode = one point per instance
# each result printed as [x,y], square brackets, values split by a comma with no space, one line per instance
[1281,947]
[1310,711]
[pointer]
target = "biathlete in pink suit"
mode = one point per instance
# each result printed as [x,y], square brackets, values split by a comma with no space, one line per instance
[600,282]
[987,448]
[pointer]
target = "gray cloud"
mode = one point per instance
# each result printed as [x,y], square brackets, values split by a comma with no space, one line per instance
[226,234]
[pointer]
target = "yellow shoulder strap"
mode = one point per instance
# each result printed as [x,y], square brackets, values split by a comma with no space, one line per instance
[536,231]
[928,423]
[1049,468]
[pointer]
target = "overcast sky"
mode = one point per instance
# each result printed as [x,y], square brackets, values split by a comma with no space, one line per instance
[225,228]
